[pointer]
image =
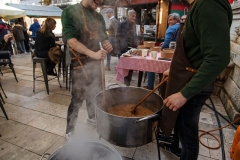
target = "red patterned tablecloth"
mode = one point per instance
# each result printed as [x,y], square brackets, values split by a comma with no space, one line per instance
[140,64]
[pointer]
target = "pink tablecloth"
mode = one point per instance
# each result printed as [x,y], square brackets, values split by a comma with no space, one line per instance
[140,64]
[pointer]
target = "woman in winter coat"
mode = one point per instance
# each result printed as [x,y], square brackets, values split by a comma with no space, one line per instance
[45,39]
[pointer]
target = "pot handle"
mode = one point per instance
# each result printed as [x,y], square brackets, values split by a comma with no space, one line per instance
[44,156]
[147,117]
[114,84]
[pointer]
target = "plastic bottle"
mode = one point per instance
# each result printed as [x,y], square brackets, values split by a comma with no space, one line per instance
[236,141]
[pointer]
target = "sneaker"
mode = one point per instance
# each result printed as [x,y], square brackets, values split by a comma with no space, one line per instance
[91,121]
[169,148]
[146,87]
[68,136]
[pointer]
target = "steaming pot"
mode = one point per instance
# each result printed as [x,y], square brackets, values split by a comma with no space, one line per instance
[84,150]
[124,131]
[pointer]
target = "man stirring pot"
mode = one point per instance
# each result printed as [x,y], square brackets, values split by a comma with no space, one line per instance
[202,52]
[84,28]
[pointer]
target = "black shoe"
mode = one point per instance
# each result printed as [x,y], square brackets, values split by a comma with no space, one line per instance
[170,148]
[51,73]
[146,87]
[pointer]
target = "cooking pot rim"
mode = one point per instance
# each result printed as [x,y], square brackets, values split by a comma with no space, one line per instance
[123,116]
[84,141]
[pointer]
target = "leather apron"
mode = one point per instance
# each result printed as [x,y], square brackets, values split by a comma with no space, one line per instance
[179,76]
[83,89]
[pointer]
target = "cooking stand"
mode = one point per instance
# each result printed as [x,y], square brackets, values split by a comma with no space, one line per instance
[161,138]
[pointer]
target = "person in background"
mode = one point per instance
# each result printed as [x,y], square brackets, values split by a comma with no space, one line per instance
[126,34]
[3,29]
[205,49]
[18,33]
[183,18]
[147,19]
[127,38]
[45,39]
[34,28]
[170,35]
[112,32]
[172,30]
[85,29]
[26,36]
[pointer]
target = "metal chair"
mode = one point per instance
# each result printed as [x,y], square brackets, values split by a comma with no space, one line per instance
[2,101]
[5,60]
[43,62]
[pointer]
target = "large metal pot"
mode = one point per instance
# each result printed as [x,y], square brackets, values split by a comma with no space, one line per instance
[125,131]
[84,150]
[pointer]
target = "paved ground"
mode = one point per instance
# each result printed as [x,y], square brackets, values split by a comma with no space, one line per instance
[37,121]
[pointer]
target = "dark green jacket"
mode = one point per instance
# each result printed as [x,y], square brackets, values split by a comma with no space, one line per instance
[207,42]
[73,26]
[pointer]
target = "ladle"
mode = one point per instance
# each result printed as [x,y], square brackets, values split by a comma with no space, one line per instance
[142,100]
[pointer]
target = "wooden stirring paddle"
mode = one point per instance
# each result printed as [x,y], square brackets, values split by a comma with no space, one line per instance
[142,100]
[103,80]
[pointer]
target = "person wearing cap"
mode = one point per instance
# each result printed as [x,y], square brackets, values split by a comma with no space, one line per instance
[127,38]
[112,32]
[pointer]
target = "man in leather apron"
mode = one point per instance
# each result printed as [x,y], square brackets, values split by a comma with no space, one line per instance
[84,28]
[202,52]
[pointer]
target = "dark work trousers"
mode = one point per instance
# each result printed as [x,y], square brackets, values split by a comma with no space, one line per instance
[26,42]
[127,79]
[187,124]
[112,41]
[44,54]
[83,89]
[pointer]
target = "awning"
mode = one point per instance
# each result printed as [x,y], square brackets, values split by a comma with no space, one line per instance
[8,12]
[38,11]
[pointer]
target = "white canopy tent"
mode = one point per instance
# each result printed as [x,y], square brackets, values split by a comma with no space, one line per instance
[8,12]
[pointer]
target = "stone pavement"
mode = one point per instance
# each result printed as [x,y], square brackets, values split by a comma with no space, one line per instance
[37,121]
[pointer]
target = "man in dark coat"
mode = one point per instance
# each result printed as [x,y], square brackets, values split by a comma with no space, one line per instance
[112,32]
[126,34]
[127,38]
[18,33]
